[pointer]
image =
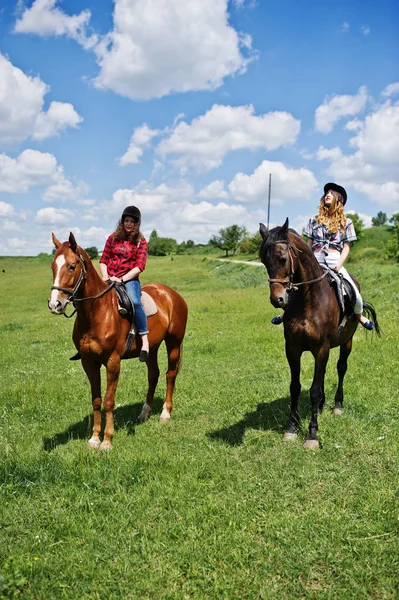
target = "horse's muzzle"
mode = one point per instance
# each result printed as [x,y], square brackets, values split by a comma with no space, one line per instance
[279,296]
[56,307]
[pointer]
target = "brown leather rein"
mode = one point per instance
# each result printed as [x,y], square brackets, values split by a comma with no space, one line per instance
[288,281]
[72,292]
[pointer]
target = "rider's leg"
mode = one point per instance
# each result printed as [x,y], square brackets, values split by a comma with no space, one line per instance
[133,288]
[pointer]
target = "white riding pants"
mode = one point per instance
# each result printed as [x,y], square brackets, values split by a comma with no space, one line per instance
[331,260]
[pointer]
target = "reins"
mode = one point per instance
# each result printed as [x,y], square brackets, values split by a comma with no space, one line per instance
[288,281]
[72,292]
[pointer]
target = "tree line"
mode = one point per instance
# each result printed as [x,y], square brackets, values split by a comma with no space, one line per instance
[236,238]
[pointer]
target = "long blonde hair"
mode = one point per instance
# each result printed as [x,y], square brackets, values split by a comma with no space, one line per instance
[121,235]
[333,216]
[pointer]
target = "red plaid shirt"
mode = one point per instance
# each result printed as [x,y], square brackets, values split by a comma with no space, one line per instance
[121,257]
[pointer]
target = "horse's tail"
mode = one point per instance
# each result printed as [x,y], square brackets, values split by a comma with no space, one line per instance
[370,312]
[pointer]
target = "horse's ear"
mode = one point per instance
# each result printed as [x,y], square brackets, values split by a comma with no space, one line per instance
[284,229]
[56,242]
[263,231]
[73,243]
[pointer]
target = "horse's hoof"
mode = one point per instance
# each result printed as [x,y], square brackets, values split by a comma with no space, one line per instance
[338,411]
[311,445]
[145,413]
[93,443]
[290,437]
[105,446]
[165,416]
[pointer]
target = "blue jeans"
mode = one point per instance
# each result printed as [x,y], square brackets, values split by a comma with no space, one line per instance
[133,289]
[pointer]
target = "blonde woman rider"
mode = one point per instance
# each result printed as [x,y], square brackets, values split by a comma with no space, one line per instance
[330,234]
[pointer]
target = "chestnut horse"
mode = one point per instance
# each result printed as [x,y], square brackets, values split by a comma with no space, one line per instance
[100,332]
[312,316]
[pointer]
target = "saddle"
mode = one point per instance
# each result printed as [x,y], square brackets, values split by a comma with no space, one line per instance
[126,310]
[345,293]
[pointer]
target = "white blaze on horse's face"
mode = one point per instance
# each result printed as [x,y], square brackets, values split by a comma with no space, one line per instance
[58,299]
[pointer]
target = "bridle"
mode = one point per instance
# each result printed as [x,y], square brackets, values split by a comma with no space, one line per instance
[289,281]
[73,291]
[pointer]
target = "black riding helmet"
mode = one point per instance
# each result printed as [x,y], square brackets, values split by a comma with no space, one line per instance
[131,211]
[336,188]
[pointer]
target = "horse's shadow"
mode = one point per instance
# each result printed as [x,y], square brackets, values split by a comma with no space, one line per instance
[125,417]
[272,416]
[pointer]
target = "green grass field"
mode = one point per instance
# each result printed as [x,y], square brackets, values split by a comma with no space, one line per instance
[213,504]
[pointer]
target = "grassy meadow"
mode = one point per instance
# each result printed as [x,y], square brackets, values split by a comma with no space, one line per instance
[213,504]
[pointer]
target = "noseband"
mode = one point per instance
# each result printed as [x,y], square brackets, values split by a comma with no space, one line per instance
[289,281]
[72,292]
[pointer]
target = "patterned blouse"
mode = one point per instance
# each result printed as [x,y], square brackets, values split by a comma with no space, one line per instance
[322,240]
[121,257]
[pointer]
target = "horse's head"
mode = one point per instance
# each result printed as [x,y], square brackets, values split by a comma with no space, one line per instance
[276,254]
[68,274]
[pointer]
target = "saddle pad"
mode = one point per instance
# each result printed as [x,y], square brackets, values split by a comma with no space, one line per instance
[150,308]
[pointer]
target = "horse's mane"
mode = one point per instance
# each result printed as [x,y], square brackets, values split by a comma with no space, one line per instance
[274,235]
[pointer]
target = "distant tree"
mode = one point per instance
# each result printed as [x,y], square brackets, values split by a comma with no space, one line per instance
[394,219]
[229,238]
[358,224]
[392,246]
[380,219]
[159,246]
[92,252]
[251,243]
[190,244]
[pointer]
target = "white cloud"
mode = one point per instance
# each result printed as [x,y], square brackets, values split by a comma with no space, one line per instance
[164,46]
[287,184]
[353,125]
[373,168]
[21,102]
[391,90]
[53,216]
[214,190]
[337,107]
[45,19]
[140,140]
[345,27]
[365,29]
[33,168]
[204,143]
[173,210]
[6,210]
[16,245]
[328,153]
[59,116]
[11,226]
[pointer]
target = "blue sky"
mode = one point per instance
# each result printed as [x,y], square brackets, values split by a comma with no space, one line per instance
[184,108]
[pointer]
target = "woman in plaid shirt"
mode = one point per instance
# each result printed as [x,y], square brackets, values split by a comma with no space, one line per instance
[124,258]
[330,234]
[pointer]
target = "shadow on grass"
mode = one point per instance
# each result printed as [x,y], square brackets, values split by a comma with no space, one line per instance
[271,416]
[125,417]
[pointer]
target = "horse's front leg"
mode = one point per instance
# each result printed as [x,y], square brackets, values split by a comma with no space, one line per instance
[317,396]
[92,371]
[342,367]
[113,367]
[294,360]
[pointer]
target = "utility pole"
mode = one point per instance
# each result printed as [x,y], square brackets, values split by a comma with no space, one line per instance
[268,203]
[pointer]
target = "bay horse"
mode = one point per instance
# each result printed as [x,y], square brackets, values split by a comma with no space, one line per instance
[100,332]
[312,315]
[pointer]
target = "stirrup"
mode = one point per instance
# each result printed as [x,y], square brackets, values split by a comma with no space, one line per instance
[277,320]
